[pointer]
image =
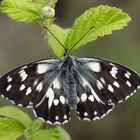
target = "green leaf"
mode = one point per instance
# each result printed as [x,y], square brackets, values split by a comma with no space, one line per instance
[63,134]
[61,35]
[22,10]
[36,125]
[10,129]
[104,19]
[50,134]
[16,114]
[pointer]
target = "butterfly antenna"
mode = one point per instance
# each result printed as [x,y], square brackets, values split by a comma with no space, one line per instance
[55,37]
[80,39]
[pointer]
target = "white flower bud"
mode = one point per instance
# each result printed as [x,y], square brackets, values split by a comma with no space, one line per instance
[48,12]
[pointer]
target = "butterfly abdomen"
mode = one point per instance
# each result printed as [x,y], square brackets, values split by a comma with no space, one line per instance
[68,82]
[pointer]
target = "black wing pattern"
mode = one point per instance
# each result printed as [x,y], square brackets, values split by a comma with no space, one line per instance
[102,84]
[36,85]
[92,86]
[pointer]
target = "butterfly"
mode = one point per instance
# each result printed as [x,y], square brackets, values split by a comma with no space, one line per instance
[91,86]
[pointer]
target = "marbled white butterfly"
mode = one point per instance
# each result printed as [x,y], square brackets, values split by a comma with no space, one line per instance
[91,86]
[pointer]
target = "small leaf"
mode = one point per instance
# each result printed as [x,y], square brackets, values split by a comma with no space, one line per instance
[36,125]
[16,114]
[10,129]
[63,134]
[103,19]
[61,35]
[22,10]
[50,134]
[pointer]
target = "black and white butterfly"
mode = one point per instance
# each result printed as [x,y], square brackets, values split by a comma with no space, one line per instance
[91,86]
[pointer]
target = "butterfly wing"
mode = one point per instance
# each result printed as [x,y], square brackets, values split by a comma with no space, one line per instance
[30,85]
[101,85]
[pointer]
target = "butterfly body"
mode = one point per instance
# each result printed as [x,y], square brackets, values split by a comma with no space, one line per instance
[91,86]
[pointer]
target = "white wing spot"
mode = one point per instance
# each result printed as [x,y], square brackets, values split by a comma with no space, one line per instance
[127,75]
[29,90]
[9,79]
[87,59]
[65,122]
[96,118]
[22,87]
[39,87]
[109,101]
[127,97]
[56,102]
[96,96]
[42,68]
[110,88]
[95,113]
[102,80]
[91,98]
[20,105]
[128,83]
[11,101]
[56,118]
[2,96]
[30,103]
[23,75]
[8,88]
[24,67]
[62,99]
[85,114]
[113,72]
[116,84]
[94,66]
[99,85]
[56,123]
[86,119]
[120,101]
[35,82]
[78,100]
[56,83]
[49,122]
[50,95]
[65,116]
[138,87]
[85,83]
[84,97]
[112,64]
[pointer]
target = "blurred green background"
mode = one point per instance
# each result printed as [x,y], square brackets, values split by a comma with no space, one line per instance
[23,43]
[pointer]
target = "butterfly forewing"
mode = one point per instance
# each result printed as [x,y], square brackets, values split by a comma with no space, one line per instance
[104,84]
[24,84]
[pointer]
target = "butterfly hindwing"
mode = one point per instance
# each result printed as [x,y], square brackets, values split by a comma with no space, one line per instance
[104,84]
[54,107]
[90,106]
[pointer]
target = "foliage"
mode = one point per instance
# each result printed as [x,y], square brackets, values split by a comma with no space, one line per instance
[61,34]
[103,19]
[14,123]
[22,10]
